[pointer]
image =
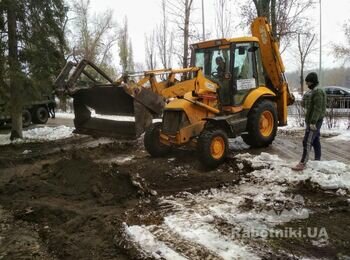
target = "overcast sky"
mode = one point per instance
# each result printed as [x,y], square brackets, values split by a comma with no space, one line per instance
[143,16]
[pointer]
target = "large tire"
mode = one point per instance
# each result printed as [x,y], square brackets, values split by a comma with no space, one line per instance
[212,147]
[261,125]
[40,115]
[152,141]
[27,118]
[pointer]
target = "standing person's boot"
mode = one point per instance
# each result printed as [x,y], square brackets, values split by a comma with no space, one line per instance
[299,167]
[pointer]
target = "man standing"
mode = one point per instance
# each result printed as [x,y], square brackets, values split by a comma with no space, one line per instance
[315,111]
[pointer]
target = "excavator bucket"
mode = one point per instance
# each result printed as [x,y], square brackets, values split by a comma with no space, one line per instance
[111,102]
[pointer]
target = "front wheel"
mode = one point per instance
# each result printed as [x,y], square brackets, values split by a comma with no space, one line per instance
[261,125]
[212,147]
[152,141]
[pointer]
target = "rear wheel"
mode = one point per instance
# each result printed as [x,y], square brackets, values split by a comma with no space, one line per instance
[262,124]
[152,141]
[40,115]
[26,118]
[212,147]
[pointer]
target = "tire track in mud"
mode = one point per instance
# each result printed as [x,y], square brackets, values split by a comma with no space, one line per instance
[285,148]
[291,148]
[340,149]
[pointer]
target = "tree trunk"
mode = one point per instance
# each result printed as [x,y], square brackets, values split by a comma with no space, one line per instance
[274,19]
[186,35]
[15,82]
[262,8]
[164,36]
[302,79]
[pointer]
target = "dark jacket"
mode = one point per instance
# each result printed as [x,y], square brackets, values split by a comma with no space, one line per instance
[316,106]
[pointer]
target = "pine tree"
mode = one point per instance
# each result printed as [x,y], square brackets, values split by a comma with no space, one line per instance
[125,49]
[131,64]
[31,50]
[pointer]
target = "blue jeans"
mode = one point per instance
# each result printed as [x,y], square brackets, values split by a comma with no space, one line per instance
[312,139]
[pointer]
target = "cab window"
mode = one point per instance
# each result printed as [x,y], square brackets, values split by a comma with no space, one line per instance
[244,71]
[214,61]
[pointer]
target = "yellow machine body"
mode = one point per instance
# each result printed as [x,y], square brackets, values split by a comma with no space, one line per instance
[234,87]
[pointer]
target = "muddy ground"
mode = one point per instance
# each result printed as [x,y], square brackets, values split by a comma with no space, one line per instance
[68,199]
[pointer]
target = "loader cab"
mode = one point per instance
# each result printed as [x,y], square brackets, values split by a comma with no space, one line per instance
[234,64]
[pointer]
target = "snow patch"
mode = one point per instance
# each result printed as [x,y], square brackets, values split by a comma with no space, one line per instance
[93,114]
[237,144]
[342,123]
[64,115]
[328,174]
[40,134]
[150,245]
[205,234]
[342,136]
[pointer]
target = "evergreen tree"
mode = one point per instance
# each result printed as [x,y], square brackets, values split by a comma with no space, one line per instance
[31,50]
[125,49]
[131,64]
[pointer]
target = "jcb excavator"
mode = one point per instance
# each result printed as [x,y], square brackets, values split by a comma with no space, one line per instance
[235,87]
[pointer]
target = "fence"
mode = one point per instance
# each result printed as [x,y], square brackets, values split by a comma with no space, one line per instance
[337,108]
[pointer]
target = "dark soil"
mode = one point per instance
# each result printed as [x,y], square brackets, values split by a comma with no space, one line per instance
[71,203]
[68,199]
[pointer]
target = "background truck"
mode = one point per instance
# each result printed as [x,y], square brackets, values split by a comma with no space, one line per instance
[35,107]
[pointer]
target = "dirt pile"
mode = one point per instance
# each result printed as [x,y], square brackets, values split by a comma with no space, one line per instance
[78,179]
[74,206]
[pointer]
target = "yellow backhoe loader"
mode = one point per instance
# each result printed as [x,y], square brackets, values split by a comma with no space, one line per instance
[235,87]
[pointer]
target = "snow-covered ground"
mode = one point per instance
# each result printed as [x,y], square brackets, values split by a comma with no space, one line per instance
[341,130]
[40,134]
[228,222]
[327,174]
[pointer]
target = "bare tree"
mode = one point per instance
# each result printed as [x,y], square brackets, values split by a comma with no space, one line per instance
[343,51]
[306,43]
[150,48]
[287,17]
[165,38]
[223,18]
[181,10]
[95,36]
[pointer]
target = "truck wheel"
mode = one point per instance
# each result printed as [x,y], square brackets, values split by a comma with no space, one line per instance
[261,125]
[152,141]
[40,115]
[27,118]
[212,147]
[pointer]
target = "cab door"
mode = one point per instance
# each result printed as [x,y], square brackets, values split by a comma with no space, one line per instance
[247,70]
